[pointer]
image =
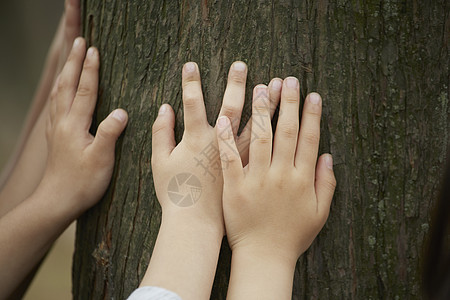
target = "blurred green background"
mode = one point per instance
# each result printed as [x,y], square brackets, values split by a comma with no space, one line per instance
[26,30]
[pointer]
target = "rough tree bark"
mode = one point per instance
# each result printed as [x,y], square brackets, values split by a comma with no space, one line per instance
[382,69]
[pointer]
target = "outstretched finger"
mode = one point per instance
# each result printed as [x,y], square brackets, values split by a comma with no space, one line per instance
[84,103]
[260,151]
[243,140]
[193,105]
[72,20]
[69,77]
[234,96]
[309,136]
[285,141]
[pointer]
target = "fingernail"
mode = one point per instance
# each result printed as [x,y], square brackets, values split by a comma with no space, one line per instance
[329,162]
[314,98]
[189,67]
[239,66]
[260,92]
[91,52]
[291,82]
[119,115]
[162,110]
[276,85]
[222,122]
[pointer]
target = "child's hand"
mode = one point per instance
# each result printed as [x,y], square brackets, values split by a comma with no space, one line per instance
[188,176]
[80,166]
[274,207]
[77,173]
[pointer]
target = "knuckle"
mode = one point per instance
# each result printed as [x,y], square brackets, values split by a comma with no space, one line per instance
[230,111]
[62,85]
[106,132]
[63,128]
[289,131]
[190,100]
[280,182]
[157,128]
[84,90]
[191,81]
[311,138]
[291,99]
[331,183]
[313,112]
[261,109]
[238,78]
[264,139]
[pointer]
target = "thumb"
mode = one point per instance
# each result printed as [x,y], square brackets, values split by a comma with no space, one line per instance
[109,130]
[325,182]
[229,154]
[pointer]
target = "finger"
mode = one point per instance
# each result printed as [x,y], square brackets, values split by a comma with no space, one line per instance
[193,105]
[309,136]
[229,155]
[243,141]
[260,151]
[285,142]
[72,20]
[234,96]
[163,138]
[109,131]
[70,75]
[325,183]
[86,96]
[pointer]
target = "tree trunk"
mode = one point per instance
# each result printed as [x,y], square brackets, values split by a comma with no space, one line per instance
[382,70]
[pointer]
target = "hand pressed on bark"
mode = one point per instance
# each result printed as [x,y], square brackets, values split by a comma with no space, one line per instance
[276,205]
[77,173]
[79,164]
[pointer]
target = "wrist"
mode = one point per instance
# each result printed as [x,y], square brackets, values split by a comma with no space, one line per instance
[182,225]
[252,269]
[185,256]
[195,222]
[61,203]
[264,256]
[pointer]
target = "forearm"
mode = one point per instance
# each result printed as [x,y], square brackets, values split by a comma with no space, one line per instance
[184,259]
[26,234]
[38,103]
[28,170]
[260,276]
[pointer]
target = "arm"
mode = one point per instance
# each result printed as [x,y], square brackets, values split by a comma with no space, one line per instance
[187,248]
[77,173]
[276,205]
[26,165]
